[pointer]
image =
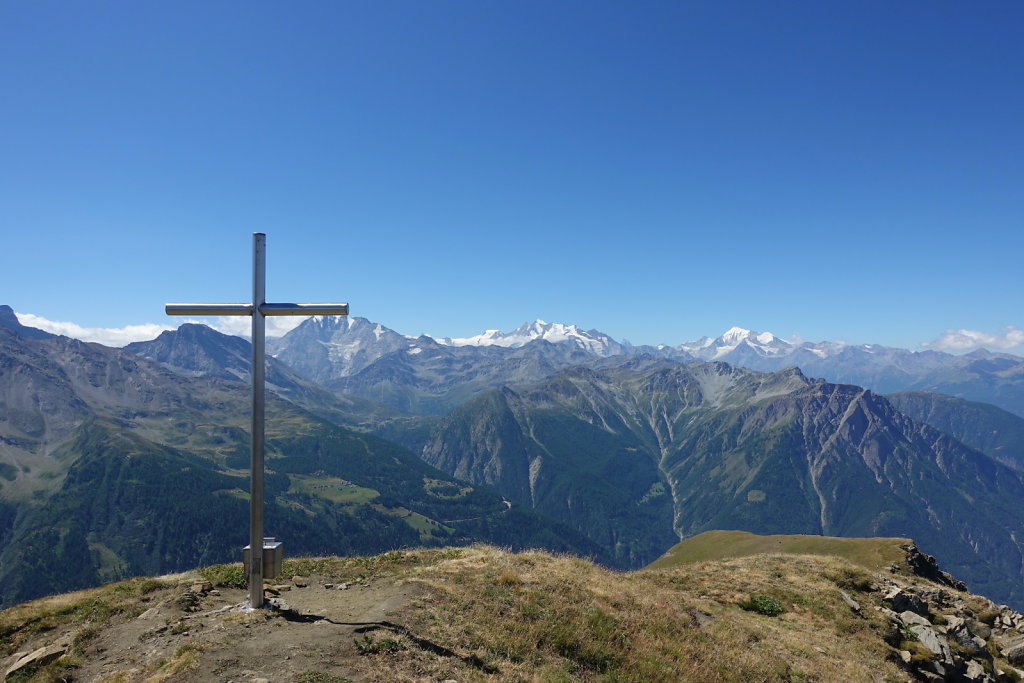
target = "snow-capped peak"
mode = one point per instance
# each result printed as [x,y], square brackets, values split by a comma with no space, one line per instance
[734,335]
[592,341]
[762,343]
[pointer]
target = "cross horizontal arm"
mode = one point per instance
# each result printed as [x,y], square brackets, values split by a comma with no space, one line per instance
[208,309]
[265,309]
[304,309]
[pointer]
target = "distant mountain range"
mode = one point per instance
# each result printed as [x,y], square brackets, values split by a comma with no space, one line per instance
[430,376]
[549,435]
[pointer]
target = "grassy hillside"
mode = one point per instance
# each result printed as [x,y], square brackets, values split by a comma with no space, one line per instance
[481,614]
[870,553]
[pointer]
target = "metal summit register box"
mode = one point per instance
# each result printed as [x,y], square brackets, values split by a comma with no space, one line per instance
[273,555]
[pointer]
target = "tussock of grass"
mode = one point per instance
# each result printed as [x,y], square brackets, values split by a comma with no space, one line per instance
[850,578]
[184,659]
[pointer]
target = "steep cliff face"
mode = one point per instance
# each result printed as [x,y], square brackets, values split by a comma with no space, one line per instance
[702,446]
[326,348]
[993,431]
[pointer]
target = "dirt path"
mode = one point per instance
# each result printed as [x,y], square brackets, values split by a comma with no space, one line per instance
[314,630]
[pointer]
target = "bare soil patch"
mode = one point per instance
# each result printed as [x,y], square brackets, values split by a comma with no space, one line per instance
[313,631]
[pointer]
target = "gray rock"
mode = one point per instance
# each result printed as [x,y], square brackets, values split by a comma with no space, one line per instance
[903,601]
[278,603]
[40,657]
[980,629]
[851,603]
[1013,650]
[889,613]
[914,619]
[933,641]
[953,623]
[961,634]
[975,673]
[699,619]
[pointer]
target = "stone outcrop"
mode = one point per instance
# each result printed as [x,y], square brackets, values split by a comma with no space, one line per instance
[926,567]
[946,634]
[39,657]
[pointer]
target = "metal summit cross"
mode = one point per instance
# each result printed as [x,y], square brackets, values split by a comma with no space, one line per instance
[258,309]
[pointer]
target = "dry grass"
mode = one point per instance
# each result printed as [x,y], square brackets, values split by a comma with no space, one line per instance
[185,658]
[489,615]
[534,617]
[80,613]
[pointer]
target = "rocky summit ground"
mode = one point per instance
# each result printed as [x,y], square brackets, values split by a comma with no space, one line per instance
[481,614]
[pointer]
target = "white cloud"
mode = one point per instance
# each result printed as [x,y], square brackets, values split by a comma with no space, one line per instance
[1009,337]
[119,336]
[241,325]
[108,336]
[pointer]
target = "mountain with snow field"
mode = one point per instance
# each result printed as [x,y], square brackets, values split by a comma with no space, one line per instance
[592,341]
[370,360]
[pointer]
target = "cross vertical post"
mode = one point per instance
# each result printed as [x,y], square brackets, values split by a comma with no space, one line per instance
[259,386]
[258,309]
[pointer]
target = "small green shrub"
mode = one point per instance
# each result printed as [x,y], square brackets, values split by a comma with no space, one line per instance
[226,575]
[850,578]
[763,604]
[320,677]
[368,646]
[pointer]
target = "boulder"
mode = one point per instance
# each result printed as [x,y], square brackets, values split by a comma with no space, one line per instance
[933,641]
[975,673]
[925,566]
[903,601]
[40,657]
[980,629]
[1013,650]
[913,619]
[958,631]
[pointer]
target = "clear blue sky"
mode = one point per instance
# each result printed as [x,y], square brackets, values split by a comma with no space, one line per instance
[656,170]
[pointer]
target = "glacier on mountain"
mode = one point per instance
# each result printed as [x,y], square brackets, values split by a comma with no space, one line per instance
[592,341]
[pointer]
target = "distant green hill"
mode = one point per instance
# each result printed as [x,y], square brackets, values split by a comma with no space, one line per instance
[870,553]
